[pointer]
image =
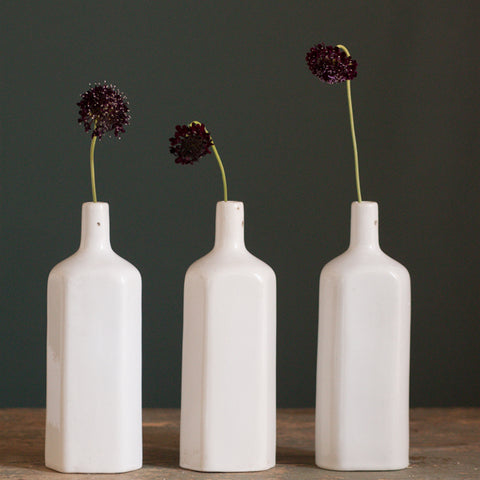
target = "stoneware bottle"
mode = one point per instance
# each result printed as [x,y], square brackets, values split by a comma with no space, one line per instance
[228,365]
[363,355]
[94,416]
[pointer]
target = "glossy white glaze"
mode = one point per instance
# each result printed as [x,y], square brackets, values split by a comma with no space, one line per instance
[363,354]
[94,417]
[228,367]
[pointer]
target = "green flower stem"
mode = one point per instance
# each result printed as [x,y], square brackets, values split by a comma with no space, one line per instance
[92,167]
[220,164]
[352,127]
[224,178]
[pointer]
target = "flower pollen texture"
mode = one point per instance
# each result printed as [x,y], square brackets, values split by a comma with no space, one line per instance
[190,143]
[331,64]
[104,108]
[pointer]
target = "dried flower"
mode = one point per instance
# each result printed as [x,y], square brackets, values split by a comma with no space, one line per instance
[104,108]
[331,64]
[190,143]
[335,65]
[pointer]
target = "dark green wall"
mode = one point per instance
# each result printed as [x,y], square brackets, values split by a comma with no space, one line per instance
[285,142]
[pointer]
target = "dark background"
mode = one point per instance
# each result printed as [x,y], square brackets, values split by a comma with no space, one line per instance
[285,141]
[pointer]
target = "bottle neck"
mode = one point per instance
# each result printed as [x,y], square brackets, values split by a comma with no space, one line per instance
[95,226]
[364,225]
[229,226]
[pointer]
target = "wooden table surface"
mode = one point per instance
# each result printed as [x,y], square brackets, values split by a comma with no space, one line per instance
[444,445]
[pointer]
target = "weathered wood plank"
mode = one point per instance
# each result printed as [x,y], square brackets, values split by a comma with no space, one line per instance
[445,444]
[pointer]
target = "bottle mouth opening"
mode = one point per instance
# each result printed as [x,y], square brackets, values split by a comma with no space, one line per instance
[230,206]
[229,202]
[364,202]
[93,204]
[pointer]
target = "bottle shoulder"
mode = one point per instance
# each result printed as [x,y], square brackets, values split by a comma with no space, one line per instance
[354,261]
[218,262]
[85,263]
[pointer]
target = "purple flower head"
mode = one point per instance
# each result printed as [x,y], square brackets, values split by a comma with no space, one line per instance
[190,143]
[331,64]
[104,108]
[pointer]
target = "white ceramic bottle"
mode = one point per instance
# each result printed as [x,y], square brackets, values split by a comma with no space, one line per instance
[94,416]
[228,366]
[363,355]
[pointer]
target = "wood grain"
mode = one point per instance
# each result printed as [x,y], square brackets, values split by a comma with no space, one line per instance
[445,444]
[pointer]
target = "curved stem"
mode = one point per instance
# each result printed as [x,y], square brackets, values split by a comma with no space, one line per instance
[224,178]
[352,127]
[220,164]
[92,168]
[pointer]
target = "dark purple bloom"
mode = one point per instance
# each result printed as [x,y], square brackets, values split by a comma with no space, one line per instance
[190,143]
[104,108]
[331,64]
